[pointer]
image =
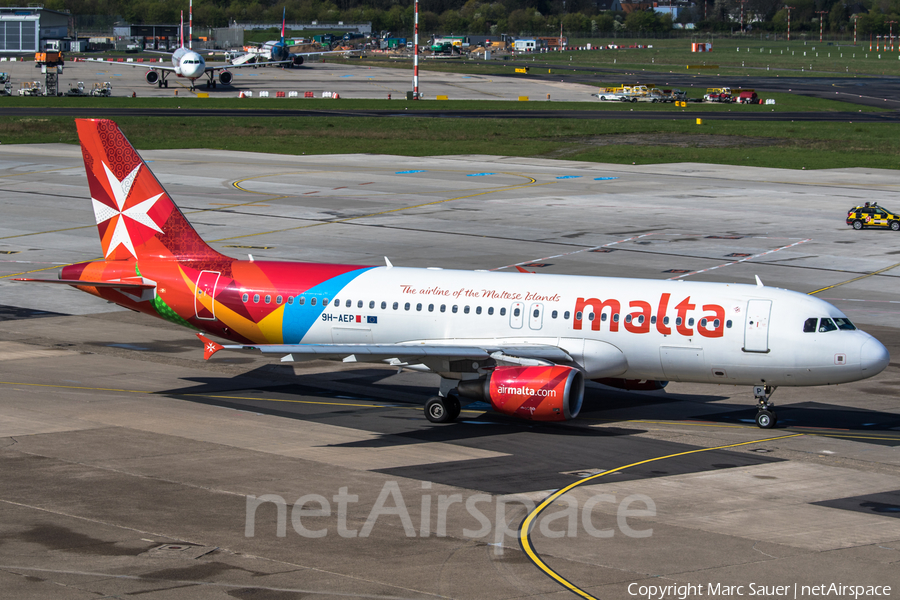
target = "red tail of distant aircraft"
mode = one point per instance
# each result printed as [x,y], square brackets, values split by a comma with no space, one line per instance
[524,343]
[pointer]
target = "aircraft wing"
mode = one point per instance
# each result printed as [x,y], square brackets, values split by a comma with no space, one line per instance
[142,285]
[403,353]
[158,66]
[215,68]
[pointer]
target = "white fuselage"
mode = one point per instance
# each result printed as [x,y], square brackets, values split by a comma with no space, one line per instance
[612,327]
[188,64]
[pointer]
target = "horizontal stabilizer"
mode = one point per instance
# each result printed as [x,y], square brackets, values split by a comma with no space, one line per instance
[135,285]
[209,347]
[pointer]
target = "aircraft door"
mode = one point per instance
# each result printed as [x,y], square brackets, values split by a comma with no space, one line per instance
[536,316]
[204,299]
[516,315]
[756,328]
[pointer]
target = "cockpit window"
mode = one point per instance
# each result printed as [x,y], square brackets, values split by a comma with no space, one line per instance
[809,326]
[826,325]
[845,324]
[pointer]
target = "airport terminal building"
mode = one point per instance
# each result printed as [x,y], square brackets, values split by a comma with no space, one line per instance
[23,29]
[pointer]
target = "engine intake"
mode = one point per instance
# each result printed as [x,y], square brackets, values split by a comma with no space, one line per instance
[297,61]
[152,77]
[225,77]
[535,393]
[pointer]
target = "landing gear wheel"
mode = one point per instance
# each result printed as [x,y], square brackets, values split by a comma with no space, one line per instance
[439,410]
[766,419]
[857,225]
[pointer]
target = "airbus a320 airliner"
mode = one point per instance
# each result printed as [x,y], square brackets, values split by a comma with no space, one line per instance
[524,343]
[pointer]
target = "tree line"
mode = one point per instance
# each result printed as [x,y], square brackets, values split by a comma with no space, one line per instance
[480,17]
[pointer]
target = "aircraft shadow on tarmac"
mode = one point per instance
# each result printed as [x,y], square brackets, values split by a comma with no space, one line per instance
[293,397]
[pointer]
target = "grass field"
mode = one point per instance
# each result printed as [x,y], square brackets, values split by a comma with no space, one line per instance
[748,57]
[804,145]
[783,103]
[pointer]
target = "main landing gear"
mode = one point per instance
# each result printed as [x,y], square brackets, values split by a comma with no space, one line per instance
[765,416]
[442,409]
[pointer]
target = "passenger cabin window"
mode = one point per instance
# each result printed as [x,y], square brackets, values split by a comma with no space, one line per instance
[396,305]
[466,310]
[406,306]
[268,299]
[245,297]
[443,308]
[809,326]
[826,325]
[324,301]
[490,310]
[278,299]
[383,305]
[302,300]
[371,304]
[290,299]
[348,303]
[312,301]
[502,312]
[419,307]
[359,304]
[517,312]
[553,314]
[255,298]
[566,315]
[477,310]
[454,309]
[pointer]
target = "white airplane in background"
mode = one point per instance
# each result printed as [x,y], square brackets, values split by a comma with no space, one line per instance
[191,65]
[524,343]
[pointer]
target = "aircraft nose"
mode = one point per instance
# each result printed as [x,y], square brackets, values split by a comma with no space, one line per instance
[873,357]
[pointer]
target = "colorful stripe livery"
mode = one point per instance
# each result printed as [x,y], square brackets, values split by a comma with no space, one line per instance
[146,239]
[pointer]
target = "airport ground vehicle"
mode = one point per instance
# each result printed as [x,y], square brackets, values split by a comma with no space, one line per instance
[863,217]
[521,342]
[77,90]
[31,88]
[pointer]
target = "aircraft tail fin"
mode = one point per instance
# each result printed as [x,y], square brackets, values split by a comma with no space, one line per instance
[135,217]
[283,15]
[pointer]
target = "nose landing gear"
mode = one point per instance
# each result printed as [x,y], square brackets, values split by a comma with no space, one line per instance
[765,416]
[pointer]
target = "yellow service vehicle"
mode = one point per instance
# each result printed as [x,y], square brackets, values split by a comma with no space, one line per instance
[861,217]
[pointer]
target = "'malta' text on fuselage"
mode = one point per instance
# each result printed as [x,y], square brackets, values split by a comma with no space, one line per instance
[711,322]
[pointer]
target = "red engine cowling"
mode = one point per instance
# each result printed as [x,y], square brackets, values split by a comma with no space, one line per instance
[152,77]
[635,385]
[536,393]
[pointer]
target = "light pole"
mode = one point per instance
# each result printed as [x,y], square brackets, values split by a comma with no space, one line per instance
[821,14]
[890,34]
[416,54]
[789,9]
[743,2]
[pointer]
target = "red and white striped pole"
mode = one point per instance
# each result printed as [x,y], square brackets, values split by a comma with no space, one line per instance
[190,25]
[416,55]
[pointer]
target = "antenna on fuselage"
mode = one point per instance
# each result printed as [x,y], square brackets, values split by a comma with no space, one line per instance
[759,282]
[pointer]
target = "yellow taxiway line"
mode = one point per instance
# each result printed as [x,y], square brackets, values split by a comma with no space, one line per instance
[528,524]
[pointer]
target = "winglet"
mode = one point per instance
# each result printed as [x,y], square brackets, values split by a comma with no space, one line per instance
[759,282]
[209,347]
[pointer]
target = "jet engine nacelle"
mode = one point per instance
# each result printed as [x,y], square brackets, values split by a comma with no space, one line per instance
[296,61]
[637,385]
[152,77]
[225,77]
[535,393]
